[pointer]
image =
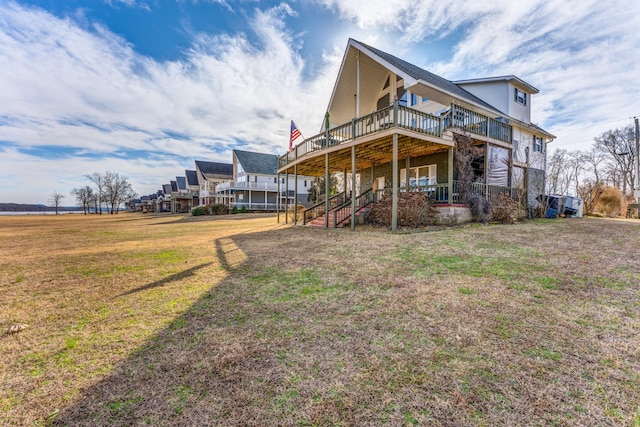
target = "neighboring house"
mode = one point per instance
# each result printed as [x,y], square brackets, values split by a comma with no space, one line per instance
[185,197]
[164,202]
[255,183]
[209,175]
[193,185]
[393,126]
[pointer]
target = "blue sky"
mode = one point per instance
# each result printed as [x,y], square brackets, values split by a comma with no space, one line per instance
[145,87]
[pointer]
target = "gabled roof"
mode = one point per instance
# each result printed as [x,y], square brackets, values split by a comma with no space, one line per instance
[257,163]
[192,177]
[214,168]
[166,188]
[174,186]
[182,182]
[416,73]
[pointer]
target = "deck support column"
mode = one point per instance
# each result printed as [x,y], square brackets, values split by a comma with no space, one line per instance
[353,186]
[344,178]
[295,195]
[394,204]
[373,182]
[407,173]
[278,196]
[327,184]
[286,197]
[450,176]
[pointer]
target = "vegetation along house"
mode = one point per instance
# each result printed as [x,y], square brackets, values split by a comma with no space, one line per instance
[255,183]
[394,127]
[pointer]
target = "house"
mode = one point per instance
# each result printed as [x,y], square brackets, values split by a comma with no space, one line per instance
[210,174]
[255,184]
[394,127]
[185,196]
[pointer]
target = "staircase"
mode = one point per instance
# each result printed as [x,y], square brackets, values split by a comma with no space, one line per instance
[340,215]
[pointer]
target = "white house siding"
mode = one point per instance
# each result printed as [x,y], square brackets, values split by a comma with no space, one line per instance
[493,93]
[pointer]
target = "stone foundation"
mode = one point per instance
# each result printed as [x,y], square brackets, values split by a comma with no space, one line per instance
[454,214]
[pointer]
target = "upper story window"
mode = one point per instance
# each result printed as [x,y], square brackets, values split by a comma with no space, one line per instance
[414,99]
[520,97]
[424,99]
[537,144]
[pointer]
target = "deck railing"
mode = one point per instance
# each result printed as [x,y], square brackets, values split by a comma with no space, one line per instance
[459,117]
[403,117]
[318,209]
[394,115]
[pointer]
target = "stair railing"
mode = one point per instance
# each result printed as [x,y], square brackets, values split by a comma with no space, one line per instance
[317,210]
[343,212]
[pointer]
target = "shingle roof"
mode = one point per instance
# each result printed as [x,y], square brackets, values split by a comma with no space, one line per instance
[166,188]
[424,75]
[257,163]
[214,168]
[192,177]
[174,186]
[182,182]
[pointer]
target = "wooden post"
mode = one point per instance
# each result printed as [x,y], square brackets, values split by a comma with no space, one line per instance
[407,172]
[450,176]
[326,188]
[278,196]
[394,205]
[353,186]
[286,197]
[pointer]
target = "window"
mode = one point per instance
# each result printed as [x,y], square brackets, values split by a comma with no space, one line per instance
[520,96]
[401,95]
[419,176]
[275,180]
[414,99]
[305,182]
[537,144]
[283,181]
[255,178]
[424,99]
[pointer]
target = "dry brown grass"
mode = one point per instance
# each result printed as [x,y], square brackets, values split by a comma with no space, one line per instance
[236,320]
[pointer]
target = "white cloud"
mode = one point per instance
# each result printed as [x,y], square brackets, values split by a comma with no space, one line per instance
[87,88]
[72,83]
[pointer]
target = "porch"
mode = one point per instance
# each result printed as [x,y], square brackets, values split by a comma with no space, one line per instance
[381,139]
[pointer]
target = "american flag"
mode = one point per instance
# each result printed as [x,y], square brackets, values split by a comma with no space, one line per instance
[295,134]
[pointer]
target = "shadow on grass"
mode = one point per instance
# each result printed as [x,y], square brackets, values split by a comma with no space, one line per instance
[191,372]
[173,278]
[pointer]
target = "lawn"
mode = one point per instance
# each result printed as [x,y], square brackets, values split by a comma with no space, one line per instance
[237,320]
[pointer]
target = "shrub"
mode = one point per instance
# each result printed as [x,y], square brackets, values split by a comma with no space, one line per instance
[243,209]
[234,210]
[610,203]
[198,210]
[480,208]
[414,210]
[218,209]
[506,210]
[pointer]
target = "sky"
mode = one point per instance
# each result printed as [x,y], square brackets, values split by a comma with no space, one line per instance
[145,87]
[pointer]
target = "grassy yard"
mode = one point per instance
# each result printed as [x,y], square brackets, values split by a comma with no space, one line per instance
[237,320]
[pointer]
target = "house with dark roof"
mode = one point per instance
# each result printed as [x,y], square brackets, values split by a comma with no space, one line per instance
[255,184]
[395,126]
[183,199]
[209,175]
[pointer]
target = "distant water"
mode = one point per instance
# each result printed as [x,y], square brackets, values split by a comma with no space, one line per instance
[38,213]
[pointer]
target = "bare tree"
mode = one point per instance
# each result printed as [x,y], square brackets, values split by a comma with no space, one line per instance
[99,181]
[618,145]
[55,200]
[84,197]
[117,190]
